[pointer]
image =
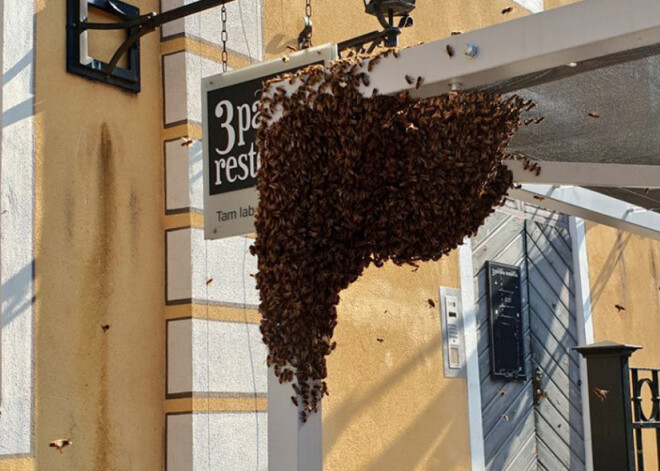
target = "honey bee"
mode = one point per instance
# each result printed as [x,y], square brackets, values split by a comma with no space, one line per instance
[380,340]
[505,417]
[431,303]
[594,114]
[209,281]
[539,197]
[450,50]
[409,80]
[285,59]
[507,10]
[539,119]
[601,394]
[619,308]
[60,444]
[105,327]
[456,33]
[419,82]
[187,142]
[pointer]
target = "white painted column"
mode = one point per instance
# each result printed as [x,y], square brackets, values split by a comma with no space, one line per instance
[471,356]
[292,445]
[584,321]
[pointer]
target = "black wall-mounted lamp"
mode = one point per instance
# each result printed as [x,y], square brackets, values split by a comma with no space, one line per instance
[386,11]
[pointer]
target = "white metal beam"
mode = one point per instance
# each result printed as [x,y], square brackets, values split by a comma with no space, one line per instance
[292,445]
[585,324]
[588,174]
[594,206]
[554,38]
[469,304]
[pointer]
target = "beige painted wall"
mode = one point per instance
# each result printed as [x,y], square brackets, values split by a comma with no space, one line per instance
[550,4]
[390,407]
[624,270]
[99,260]
[339,20]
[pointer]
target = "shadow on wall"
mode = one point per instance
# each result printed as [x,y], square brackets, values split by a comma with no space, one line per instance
[615,256]
[421,438]
[16,297]
[25,109]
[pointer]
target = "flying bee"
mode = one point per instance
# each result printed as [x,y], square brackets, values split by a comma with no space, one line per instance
[619,308]
[601,394]
[60,444]
[505,417]
[381,340]
[187,141]
[105,327]
[409,80]
[507,10]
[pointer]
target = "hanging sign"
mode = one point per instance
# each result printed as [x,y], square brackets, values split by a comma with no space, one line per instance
[230,104]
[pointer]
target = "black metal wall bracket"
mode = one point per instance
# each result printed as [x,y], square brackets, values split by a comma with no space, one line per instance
[130,20]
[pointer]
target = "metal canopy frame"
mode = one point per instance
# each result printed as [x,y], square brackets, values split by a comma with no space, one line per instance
[538,49]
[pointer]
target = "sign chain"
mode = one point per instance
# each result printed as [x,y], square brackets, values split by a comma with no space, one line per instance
[223,37]
[305,36]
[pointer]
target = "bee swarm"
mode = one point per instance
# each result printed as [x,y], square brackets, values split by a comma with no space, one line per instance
[348,181]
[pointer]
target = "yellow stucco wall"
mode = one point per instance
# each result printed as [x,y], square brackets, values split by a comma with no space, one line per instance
[339,20]
[390,407]
[549,4]
[624,270]
[99,260]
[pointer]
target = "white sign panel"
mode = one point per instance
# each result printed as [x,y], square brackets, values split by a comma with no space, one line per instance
[230,104]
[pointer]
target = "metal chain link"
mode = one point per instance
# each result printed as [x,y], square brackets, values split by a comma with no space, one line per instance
[305,36]
[223,37]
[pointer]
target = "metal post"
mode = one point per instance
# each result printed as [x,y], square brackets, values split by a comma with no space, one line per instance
[610,406]
[292,445]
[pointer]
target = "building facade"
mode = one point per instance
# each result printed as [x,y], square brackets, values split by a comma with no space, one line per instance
[127,332]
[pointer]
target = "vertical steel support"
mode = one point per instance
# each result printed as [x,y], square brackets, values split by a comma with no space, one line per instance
[292,445]
[610,406]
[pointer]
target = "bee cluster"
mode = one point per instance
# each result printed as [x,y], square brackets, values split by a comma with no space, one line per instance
[347,181]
